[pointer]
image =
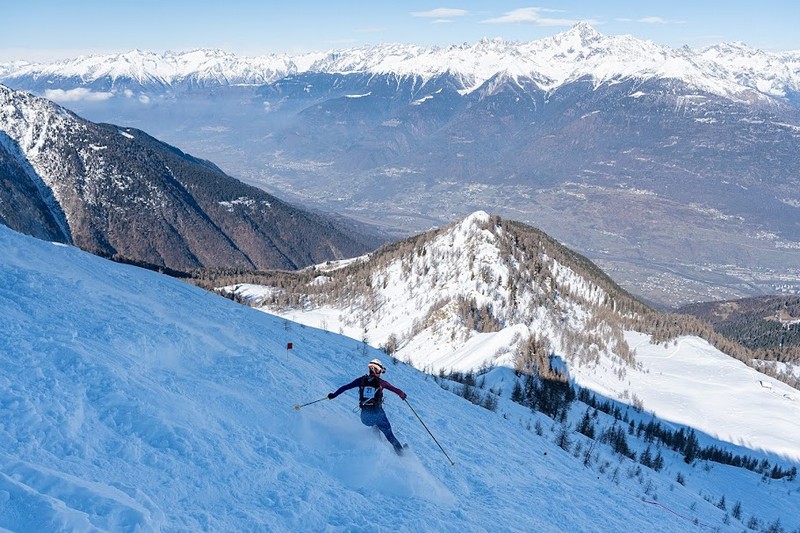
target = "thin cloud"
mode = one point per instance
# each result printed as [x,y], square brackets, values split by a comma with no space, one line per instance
[76,95]
[658,20]
[531,15]
[440,13]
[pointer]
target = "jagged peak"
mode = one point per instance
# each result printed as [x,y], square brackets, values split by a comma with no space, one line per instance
[584,31]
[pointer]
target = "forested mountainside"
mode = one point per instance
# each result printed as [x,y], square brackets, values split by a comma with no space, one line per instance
[768,325]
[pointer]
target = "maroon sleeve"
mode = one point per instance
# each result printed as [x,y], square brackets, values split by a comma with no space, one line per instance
[355,383]
[385,384]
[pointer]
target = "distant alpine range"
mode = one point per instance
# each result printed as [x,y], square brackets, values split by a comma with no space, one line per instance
[675,170]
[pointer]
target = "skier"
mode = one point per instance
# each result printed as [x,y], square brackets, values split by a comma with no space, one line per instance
[370,400]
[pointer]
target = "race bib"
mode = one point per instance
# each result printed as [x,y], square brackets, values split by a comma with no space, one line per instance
[369,393]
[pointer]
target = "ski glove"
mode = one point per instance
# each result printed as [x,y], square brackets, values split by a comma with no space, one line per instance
[331,396]
[403,396]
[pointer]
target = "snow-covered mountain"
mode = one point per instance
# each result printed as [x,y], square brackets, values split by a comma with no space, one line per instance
[728,70]
[131,401]
[196,67]
[119,192]
[774,73]
[488,294]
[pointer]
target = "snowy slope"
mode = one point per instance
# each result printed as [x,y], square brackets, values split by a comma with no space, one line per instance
[690,382]
[687,381]
[134,402]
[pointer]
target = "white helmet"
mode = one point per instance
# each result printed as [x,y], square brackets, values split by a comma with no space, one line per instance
[376,367]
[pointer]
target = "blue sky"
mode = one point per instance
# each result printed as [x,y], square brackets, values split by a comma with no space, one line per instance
[53,29]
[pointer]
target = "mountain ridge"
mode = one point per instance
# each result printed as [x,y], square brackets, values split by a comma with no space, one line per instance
[482,274]
[120,193]
[550,62]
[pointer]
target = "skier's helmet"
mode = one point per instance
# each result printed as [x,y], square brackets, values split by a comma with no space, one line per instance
[376,367]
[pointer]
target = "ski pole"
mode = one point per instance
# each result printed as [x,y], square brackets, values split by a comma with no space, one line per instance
[429,433]
[298,406]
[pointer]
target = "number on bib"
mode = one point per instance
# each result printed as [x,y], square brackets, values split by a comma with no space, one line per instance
[369,393]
